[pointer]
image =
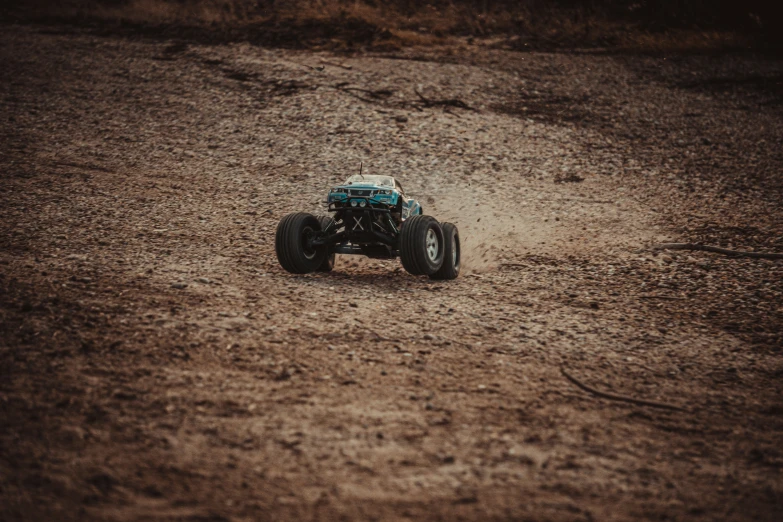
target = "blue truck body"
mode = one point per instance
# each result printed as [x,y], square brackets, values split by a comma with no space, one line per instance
[382,191]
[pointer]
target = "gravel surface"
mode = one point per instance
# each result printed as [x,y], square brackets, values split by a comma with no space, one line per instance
[158,364]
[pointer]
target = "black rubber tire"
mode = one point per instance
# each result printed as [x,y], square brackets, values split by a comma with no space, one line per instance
[413,245]
[290,243]
[452,253]
[328,262]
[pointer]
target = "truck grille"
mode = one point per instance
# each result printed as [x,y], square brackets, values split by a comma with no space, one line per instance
[365,193]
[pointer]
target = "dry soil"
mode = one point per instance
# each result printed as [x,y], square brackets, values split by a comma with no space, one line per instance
[157,363]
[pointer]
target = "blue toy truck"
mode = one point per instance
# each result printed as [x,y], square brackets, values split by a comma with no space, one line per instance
[371,217]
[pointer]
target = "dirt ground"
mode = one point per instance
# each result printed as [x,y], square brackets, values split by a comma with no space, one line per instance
[156,363]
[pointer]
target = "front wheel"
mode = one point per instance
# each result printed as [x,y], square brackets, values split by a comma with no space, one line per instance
[421,245]
[451,257]
[293,243]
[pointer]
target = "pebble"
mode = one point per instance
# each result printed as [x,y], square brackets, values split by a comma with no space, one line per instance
[72,435]
[179,285]
[103,481]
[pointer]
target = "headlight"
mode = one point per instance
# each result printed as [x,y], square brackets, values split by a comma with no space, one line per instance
[337,191]
[387,192]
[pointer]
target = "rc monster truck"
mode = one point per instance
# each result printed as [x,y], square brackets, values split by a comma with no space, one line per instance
[372,217]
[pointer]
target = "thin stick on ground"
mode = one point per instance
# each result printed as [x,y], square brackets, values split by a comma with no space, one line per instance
[450,102]
[617,397]
[379,93]
[718,250]
[335,64]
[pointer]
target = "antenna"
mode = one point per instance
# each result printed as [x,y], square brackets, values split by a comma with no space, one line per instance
[361,166]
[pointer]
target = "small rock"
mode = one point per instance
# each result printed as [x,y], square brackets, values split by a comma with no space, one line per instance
[103,482]
[124,395]
[203,280]
[428,337]
[72,435]
[179,285]
[152,492]
[353,305]
[401,119]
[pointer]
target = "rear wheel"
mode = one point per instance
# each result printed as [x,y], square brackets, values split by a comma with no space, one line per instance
[451,256]
[293,243]
[328,262]
[421,245]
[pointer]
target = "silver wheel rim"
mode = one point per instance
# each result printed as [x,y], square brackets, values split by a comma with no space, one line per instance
[432,245]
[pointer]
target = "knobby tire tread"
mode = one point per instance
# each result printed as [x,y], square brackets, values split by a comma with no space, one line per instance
[285,248]
[412,257]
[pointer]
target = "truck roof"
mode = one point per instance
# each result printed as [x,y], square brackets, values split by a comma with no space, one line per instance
[359,179]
